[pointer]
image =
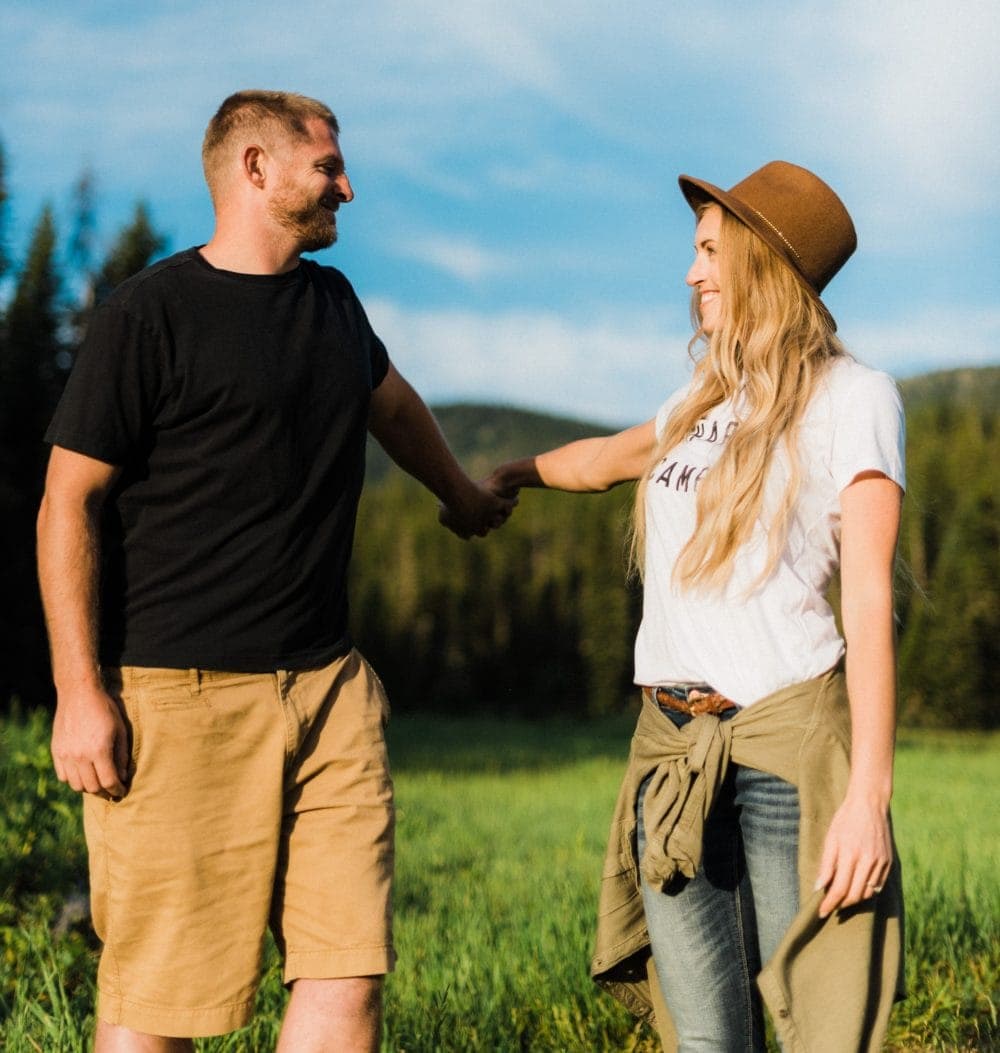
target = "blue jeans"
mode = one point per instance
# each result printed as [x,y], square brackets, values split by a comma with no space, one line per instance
[710,934]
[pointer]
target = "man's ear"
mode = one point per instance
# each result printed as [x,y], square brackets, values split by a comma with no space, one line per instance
[255,166]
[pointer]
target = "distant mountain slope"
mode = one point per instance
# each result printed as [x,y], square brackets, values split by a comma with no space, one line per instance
[485,435]
[979,388]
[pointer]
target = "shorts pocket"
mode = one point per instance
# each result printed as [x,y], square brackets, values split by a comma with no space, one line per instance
[377,689]
[168,688]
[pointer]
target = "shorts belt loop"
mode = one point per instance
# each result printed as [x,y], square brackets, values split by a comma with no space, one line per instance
[194,681]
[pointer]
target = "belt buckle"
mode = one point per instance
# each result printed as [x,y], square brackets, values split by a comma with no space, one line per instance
[680,700]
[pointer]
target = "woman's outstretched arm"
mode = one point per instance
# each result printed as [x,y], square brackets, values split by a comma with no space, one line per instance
[586,466]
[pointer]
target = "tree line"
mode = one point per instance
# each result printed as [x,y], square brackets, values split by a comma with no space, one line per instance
[46,302]
[538,618]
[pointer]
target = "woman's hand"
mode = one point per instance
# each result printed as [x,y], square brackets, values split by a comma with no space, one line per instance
[857,854]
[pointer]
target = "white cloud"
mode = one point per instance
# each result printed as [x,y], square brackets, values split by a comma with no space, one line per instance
[593,179]
[617,368]
[458,257]
[903,95]
[551,131]
[609,369]
[927,93]
[929,339]
[502,38]
[896,101]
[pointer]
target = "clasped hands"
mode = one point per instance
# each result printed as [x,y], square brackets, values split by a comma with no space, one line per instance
[482,507]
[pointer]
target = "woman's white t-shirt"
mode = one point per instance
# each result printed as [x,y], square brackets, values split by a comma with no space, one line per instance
[748,643]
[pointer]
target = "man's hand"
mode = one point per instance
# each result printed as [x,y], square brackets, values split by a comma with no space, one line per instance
[90,743]
[481,509]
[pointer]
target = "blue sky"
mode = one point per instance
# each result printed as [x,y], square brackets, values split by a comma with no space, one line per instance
[517,234]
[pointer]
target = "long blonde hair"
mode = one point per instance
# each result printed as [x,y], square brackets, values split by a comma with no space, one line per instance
[772,345]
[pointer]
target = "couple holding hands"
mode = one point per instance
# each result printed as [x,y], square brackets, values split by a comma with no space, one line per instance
[194,539]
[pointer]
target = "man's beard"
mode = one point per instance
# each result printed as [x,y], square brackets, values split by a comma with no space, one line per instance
[313,226]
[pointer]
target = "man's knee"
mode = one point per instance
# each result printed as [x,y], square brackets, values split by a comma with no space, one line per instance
[333,1015]
[112,1038]
[354,996]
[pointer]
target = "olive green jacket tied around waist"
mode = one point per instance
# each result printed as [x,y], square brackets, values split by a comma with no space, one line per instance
[831,983]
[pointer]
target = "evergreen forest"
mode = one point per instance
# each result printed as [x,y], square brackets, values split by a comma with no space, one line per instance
[537,619]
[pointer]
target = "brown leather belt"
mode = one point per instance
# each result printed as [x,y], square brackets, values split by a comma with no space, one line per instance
[691,701]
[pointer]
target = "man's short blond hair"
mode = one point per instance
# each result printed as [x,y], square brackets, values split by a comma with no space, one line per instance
[258,114]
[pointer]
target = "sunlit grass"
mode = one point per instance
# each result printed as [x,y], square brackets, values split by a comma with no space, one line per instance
[500,840]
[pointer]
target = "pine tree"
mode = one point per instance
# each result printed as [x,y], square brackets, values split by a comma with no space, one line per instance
[83,235]
[4,261]
[27,367]
[27,393]
[37,334]
[135,246]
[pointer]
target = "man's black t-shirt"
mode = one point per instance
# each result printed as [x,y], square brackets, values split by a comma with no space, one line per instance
[236,406]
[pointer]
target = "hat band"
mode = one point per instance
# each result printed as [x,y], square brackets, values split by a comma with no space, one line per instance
[791,247]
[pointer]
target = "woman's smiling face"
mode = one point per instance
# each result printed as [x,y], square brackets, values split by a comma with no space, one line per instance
[704,273]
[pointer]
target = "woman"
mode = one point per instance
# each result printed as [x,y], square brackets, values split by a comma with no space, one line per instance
[754,815]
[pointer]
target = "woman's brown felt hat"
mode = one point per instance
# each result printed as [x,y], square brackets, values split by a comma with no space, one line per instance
[794,211]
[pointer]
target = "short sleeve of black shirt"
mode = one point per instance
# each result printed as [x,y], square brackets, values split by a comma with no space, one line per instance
[112,394]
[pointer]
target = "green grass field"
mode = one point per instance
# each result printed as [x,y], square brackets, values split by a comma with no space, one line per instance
[500,841]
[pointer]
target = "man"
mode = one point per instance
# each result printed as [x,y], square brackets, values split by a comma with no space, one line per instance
[207,459]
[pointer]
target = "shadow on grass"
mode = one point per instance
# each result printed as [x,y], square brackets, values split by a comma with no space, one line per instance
[495,745]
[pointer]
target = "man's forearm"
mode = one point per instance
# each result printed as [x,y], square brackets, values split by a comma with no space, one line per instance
[416,443]
[89,738]
[68,561]
[409,434]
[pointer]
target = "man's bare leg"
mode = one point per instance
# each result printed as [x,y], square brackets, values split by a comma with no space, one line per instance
[333,1016]
[110,1038]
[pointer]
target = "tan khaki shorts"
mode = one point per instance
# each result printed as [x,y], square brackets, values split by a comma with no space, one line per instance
[255,800]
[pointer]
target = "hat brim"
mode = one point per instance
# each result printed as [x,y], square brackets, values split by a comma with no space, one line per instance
[698,192]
